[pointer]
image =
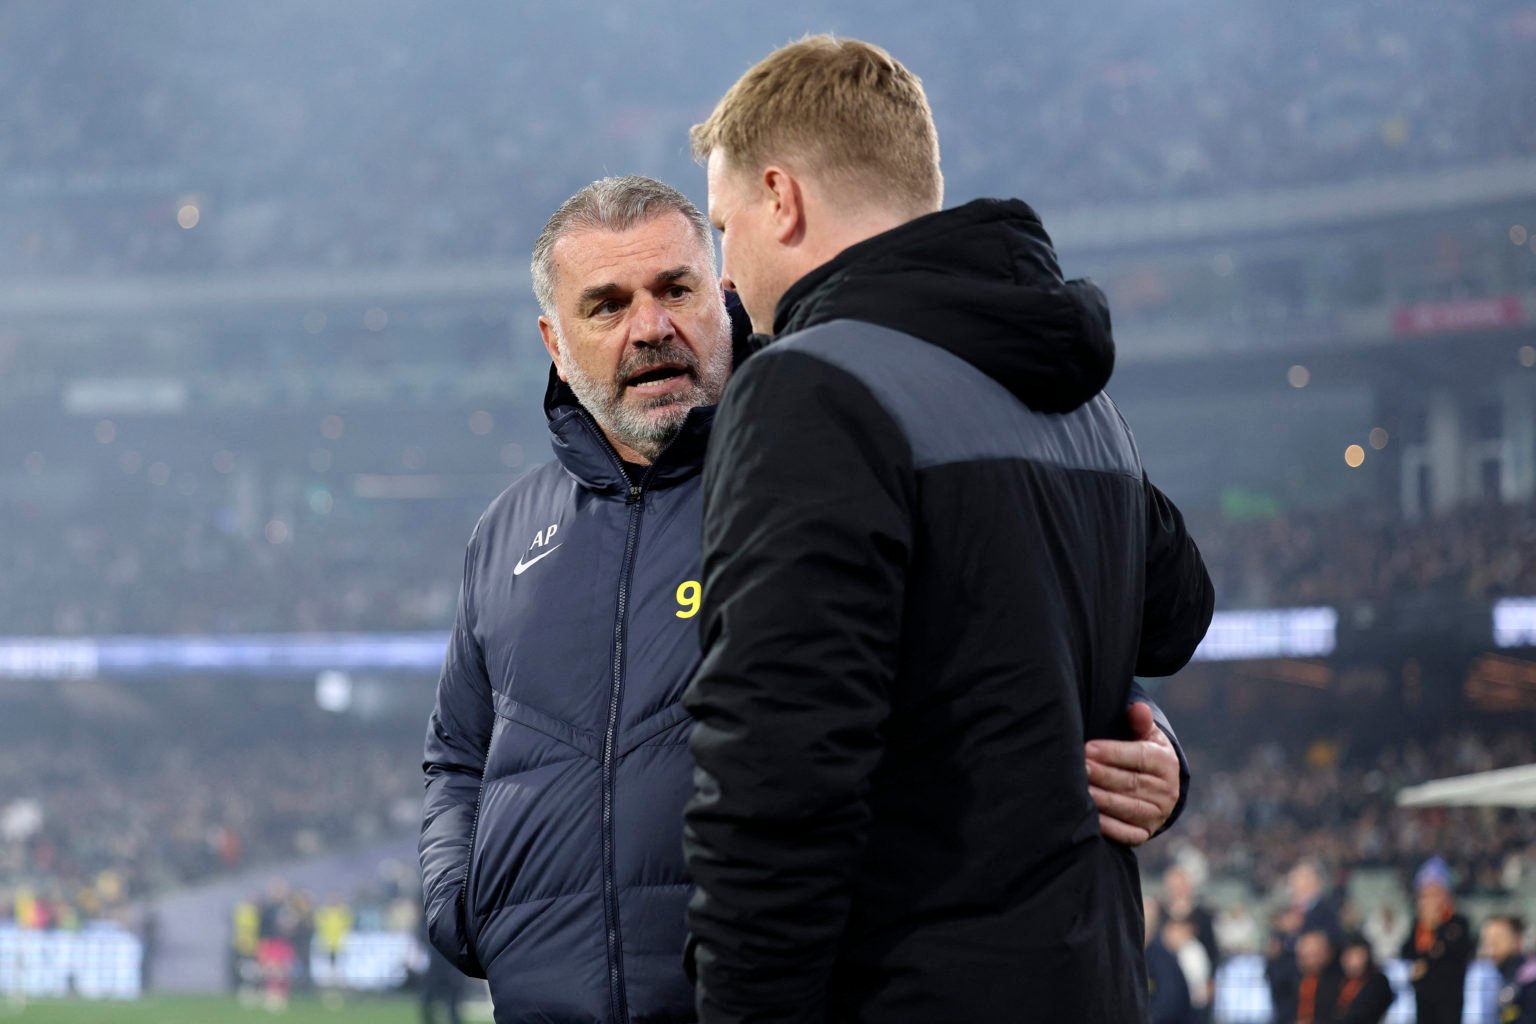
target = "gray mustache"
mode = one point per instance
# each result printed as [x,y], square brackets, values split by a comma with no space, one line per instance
[649,358]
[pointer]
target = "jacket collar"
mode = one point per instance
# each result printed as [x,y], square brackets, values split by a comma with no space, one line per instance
[586,454]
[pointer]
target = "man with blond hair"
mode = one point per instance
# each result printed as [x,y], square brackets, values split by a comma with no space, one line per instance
[932,567]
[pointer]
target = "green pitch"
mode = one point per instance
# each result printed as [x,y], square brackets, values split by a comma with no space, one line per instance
[217,1010]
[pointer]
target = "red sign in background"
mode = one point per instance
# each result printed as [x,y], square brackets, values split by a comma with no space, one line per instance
[1459,315]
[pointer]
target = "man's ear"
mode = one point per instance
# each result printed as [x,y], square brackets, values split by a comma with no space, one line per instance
[549,332]
[787,214]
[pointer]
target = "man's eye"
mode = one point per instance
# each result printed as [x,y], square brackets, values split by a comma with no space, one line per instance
[677,291]
[606,307]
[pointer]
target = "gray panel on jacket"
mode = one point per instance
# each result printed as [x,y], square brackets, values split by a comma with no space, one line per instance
[953,412]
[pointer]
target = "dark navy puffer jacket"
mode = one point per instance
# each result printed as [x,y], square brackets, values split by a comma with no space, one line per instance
[556,758]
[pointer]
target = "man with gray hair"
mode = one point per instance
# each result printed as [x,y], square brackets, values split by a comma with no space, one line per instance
[556,757]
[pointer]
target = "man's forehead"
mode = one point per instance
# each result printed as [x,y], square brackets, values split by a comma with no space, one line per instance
[632,257]
[728,184]
[714,174]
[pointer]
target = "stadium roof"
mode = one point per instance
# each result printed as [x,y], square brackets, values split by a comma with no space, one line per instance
[1506,787]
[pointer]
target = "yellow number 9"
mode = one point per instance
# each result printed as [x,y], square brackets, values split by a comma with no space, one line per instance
[688,594]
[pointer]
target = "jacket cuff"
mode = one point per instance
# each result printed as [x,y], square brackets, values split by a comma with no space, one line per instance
[1178,808]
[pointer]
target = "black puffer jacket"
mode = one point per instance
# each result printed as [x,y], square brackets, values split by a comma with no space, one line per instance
[932,567]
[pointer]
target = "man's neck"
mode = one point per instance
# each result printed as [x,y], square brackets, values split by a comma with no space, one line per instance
[622,450]
[843,230]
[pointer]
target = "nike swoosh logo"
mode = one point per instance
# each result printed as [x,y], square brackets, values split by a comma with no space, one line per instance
[521,565]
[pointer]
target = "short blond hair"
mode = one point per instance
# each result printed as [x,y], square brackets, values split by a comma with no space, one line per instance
[840,108]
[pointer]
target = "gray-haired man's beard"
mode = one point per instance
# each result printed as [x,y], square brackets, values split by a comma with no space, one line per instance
[648,425]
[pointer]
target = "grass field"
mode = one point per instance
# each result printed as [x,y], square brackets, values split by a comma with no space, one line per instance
[216,1010]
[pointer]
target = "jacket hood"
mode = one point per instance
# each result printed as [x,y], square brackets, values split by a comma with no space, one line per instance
[980,281]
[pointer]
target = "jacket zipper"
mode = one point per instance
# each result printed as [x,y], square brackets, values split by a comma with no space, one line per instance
[610,740]
[636,505]
[633,499]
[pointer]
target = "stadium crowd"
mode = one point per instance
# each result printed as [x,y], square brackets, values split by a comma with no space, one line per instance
[188,569]
[274,934]
[118,818]
[1336,807]
[1309,558]
[117,127]
[1325,882]
[1318,959]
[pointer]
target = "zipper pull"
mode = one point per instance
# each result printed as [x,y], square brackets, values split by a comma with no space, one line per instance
[634,493]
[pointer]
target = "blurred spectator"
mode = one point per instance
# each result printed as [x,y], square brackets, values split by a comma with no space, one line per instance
[1181,939]
[333,922]
[1312,906]
[1386,927]
[244,943]
[1515,1002]
[1439,949]
[280,923]
[1236,932]
[1317,982]
[1168,1001]
[441,986]
[149,941]
[1308,912]
[1365,995]
[1181,903]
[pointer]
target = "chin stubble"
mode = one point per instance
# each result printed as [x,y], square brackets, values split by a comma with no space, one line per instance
[649,427]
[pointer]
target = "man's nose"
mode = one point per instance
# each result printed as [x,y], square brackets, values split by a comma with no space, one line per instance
[650,322]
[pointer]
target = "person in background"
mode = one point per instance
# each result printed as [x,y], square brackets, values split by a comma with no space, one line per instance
[1386,927]
[1181,903]
[1236,931]
[1308,910]
[1168,999]
[302,911]
[1318,982]
[441,983]
[1515,1001]
[274,952]
[1439,948]
[1309,896]
[1179,935]
[1365,993]
[244,942]
[149,940]
[333,922]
